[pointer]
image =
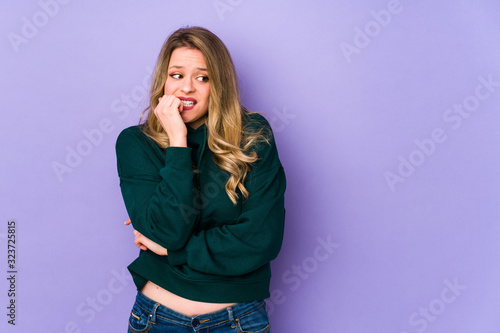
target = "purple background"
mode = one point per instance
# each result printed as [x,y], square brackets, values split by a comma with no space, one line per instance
[353,91]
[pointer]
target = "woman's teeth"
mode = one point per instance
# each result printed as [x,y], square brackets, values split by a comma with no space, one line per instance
[187,103]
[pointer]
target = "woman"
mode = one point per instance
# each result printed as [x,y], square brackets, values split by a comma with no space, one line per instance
[204,190]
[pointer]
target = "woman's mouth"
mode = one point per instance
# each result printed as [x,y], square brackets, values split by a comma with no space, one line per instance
[187,103]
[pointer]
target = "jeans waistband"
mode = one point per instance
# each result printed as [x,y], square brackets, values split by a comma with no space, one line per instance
[200,321]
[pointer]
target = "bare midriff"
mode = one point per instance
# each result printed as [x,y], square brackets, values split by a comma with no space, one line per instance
[180,304]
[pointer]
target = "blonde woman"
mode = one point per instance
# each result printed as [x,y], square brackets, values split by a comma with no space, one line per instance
[204,189]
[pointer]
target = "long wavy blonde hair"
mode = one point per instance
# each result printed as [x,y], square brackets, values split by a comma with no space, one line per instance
[228,140]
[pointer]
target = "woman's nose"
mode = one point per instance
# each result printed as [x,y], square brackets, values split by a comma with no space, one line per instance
[187,86]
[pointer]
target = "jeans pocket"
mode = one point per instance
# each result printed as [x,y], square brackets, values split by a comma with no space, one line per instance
[139,321]
[255,321]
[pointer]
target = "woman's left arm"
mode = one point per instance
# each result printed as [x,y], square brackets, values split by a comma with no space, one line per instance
[256,237]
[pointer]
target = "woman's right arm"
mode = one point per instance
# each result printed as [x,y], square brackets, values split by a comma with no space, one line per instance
[159,201]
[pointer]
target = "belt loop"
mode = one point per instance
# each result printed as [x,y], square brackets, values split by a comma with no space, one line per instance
[153,313]
[230,313]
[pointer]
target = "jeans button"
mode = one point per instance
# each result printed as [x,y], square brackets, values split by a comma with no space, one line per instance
[195,322]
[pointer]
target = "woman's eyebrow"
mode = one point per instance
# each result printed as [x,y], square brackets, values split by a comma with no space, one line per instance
[180,67]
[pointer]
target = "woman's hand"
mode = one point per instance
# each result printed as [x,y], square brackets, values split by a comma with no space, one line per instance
[168,113]
[145,243]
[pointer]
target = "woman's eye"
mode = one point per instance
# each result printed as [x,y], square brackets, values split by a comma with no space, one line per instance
[176,76]
[202,78]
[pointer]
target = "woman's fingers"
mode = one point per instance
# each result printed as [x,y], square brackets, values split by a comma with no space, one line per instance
[145,243]
[139,239]
[168,113]
[169,103]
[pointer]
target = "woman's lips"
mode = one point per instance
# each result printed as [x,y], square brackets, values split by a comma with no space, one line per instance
[188,103]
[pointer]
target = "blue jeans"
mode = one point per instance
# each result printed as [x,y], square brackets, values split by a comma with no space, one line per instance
[149,316]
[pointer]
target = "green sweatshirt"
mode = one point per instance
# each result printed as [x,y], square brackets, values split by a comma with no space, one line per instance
[217,252]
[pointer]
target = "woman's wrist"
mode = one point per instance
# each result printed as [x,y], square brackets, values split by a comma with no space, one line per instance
[178,142]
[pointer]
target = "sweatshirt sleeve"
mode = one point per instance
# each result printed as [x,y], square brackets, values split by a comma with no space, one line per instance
[256,237]
[156,191]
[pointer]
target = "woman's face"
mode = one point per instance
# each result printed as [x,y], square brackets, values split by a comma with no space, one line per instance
[188,80]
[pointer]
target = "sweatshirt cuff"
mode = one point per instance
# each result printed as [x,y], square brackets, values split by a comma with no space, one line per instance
[178,257]
[179,158]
